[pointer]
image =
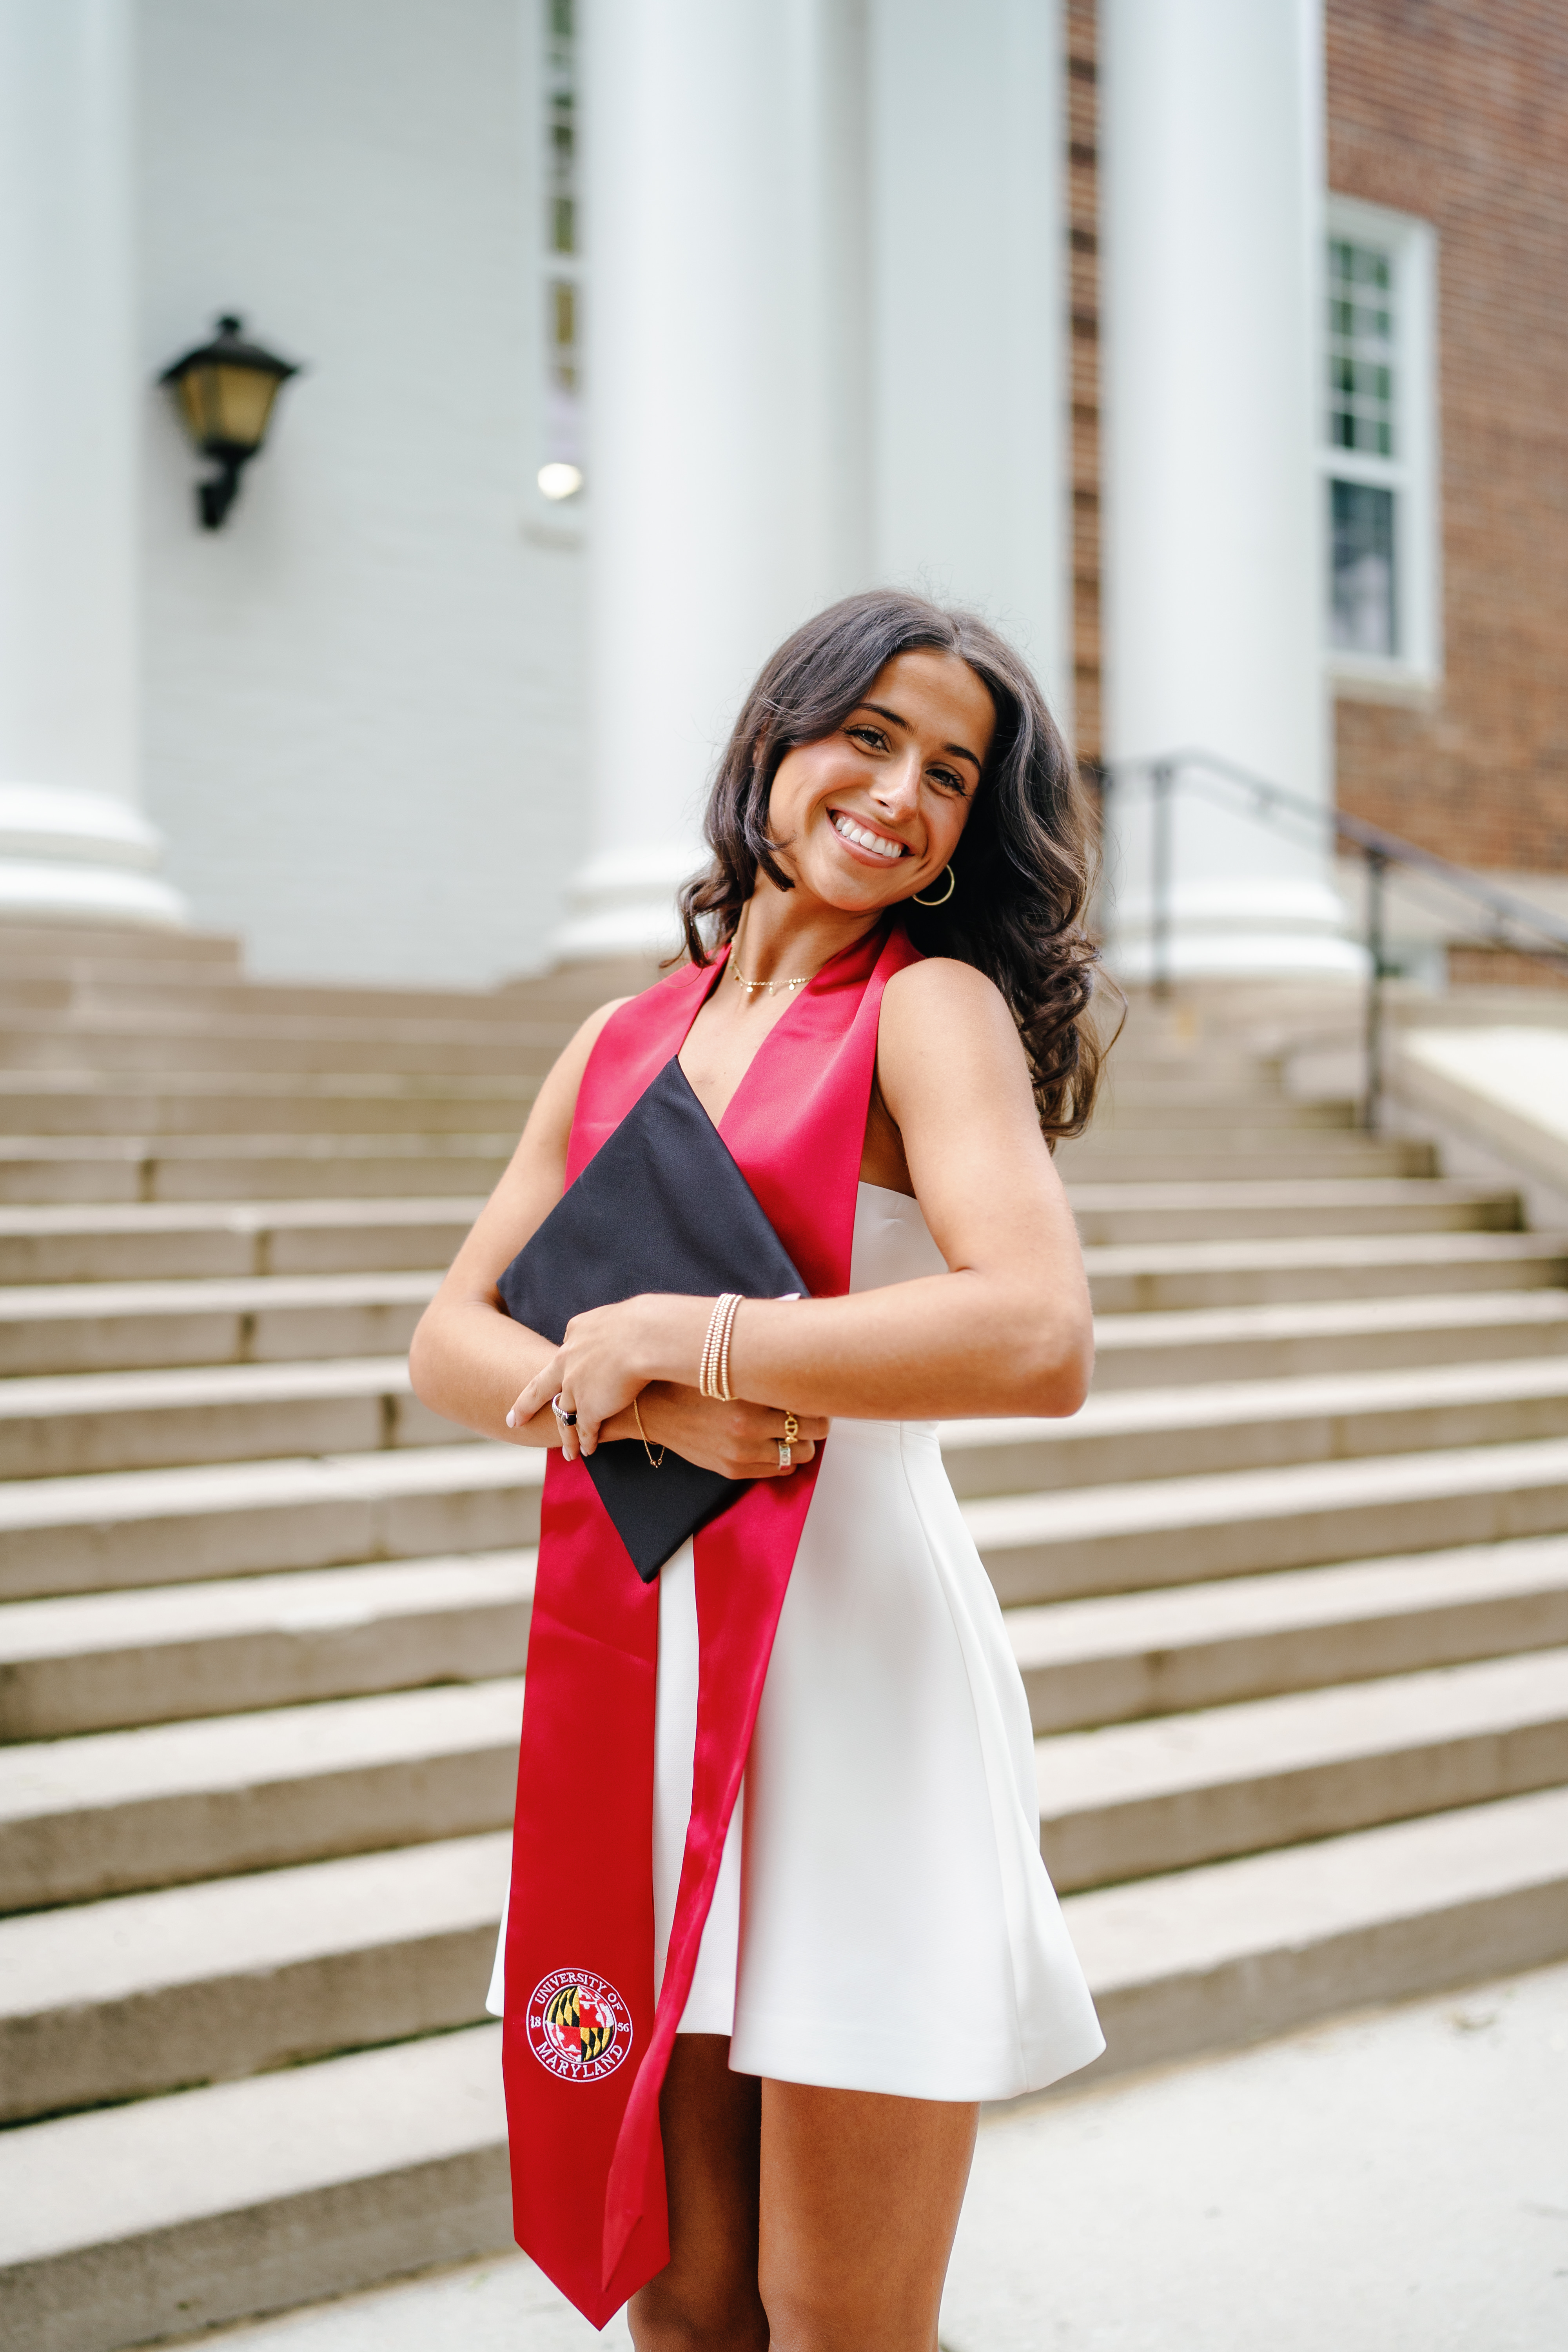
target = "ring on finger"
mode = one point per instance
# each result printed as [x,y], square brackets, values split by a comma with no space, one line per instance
[785,1457]
[568,1420]
[791,1429]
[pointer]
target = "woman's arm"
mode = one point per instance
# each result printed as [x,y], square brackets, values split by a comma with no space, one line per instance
[469,1359]
[1008,1330]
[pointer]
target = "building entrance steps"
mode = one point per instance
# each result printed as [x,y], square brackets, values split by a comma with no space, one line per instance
[1290,1598]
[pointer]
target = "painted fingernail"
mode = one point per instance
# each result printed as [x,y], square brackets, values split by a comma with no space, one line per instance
[511,1421]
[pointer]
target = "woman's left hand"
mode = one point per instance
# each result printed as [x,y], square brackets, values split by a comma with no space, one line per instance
[606,1359]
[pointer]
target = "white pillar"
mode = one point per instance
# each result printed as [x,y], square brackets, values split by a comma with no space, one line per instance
[725,464]
[1212,168]
[73,843]
[969,305]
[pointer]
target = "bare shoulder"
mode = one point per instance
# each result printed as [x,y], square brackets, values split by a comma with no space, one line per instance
[939,1005]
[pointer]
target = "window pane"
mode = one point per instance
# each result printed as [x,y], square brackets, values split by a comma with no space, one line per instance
[1362,615]
[1360,373]
[561,473]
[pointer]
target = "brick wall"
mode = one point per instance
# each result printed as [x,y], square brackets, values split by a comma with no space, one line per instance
[1082,225]
[1458,110]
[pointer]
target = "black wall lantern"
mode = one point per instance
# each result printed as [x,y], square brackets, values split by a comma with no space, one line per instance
[225,392]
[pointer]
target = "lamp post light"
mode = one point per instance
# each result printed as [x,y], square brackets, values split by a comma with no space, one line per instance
[224,391]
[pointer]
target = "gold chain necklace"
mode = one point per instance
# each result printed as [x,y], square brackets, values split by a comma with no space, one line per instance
[752,986]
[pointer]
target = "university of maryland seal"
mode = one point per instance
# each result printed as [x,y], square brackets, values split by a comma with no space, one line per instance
[578,2026]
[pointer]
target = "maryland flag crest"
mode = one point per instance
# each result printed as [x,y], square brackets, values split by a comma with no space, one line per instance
[579,2028]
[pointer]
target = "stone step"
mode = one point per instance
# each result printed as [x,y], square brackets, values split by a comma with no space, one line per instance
[214,1103]
[1227,1954]
[1172,1109]
[136,1164]
[107,994]
[140,1993]
[152,1242]
[1148,1159]
[242,2198]
[1326,1336]
[1287,1209]
[124,1169]
[76,1423]
[194,1039]
[1156,1277]
[141,1528]
[1136,1655]
[82,1000]
[1133,1799]
[112,951]
[70,1424]
[1129,1434]
[1161,1531]
[173,1804]
[170,1653]
[243,1320]
[80,1424]
[276,1319]
[170,2216]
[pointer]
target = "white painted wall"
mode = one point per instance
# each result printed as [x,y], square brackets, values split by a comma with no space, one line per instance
[362,696]
[967,138]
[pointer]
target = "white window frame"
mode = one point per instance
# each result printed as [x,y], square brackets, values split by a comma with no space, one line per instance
[1414,672]
[548,522]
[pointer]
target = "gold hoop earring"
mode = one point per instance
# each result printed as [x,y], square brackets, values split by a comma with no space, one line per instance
[916,900]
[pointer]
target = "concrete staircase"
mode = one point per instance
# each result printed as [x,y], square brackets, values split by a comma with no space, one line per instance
[1290,1597]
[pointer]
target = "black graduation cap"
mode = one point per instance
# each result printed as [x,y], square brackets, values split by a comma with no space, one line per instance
[660,1206]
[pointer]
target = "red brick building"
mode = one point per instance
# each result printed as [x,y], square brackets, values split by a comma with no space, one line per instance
[1458,112]
[1451,116]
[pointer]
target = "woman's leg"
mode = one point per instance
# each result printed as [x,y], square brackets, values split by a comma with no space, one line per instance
[706,2299]
[860,2198]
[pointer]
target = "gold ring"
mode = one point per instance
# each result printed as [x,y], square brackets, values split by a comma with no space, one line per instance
[792,1428]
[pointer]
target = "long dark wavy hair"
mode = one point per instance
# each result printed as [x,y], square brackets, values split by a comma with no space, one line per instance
[1022,870]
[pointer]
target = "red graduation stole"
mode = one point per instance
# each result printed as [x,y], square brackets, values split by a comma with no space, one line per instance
[583,2050]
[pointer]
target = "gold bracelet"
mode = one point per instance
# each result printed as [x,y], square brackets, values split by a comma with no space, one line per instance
[656,1462]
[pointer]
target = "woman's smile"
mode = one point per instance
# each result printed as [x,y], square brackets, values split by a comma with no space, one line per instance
[858,835]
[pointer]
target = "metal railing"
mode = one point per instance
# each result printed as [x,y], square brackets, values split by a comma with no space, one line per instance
[1511,923]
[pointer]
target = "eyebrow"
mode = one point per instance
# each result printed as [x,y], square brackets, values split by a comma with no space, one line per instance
[954,751]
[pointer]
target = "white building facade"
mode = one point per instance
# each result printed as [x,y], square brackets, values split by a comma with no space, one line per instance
[775,291]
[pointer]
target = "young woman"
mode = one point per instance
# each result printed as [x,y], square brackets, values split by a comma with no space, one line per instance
[885,1009]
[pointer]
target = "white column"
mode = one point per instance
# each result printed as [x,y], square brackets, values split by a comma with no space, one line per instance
[969,305]
[73,843]
[1212,168]
[725,469]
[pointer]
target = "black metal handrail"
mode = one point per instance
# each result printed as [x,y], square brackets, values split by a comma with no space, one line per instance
[1385,856]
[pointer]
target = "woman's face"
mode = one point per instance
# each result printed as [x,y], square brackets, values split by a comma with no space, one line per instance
[873,812]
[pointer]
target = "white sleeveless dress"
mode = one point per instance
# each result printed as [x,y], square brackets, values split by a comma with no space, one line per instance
[883,1920]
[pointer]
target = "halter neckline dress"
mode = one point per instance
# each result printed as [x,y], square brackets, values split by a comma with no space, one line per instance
[883,1920]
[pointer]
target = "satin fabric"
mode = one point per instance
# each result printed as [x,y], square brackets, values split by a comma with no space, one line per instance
[588,2189]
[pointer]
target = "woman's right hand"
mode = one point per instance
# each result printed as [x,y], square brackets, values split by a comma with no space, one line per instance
[738,1441]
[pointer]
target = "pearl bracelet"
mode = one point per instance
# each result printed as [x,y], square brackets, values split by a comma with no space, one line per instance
[713,1369]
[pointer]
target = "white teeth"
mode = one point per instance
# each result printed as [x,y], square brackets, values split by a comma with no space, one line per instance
[864,840]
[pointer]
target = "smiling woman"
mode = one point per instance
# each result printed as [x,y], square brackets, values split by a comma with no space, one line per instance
[1020,887]
[884,1012]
